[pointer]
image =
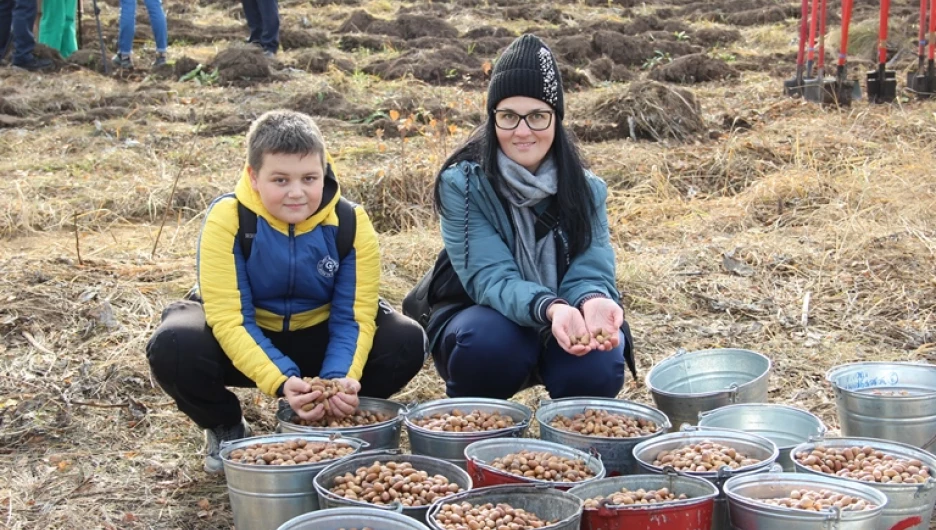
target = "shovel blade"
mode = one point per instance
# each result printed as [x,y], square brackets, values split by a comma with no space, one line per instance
[882,90]
[920,85]
[792,88]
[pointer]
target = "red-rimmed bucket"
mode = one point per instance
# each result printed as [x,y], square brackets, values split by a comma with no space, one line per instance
[479,456]
[693,513]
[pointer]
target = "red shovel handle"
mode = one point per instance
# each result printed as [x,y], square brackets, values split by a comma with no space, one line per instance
[813,19]
[932,31]
[882,32]
[804,15]
[922,36]
[846,21]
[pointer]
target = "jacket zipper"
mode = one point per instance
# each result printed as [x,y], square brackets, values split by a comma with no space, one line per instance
[292,276]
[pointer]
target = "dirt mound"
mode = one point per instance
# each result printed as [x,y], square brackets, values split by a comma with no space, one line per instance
[318,61]
[552,15]
[652,111]
[326,102]
[695,68]
[446,66]
[759,17]
[44,52]
[228,126]
[241,64]
[184,65]
[350,43]
[358,22]
[711,36]
[622,49]
[291,39]
[574,50]
[434,43]
[573,78]
[488,31]
[91,59]
[604,69]
[490,46]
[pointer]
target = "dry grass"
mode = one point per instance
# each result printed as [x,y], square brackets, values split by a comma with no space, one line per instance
[831,206]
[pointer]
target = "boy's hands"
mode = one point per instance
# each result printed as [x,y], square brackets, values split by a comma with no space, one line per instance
[344,403]
[298,394]
[603,316]
[567,326]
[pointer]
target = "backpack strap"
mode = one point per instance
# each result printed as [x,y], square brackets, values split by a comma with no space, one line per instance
[347,226]
[548,220]
[246,228]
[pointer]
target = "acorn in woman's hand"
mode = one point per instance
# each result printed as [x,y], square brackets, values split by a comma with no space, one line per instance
[602,337]
[584,340]
[328,388]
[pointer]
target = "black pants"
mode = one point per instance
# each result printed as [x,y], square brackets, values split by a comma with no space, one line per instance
[190,366]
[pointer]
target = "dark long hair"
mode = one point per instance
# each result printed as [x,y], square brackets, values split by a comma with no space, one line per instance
[577,208]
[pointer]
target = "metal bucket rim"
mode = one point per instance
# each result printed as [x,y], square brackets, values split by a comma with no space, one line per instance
[707,434]
[380,456]
[850,441]
[351,510]
[678,503]
[556,405]
[337,438]
[593,461]
[523,489]
[728,391]
[488,402]
[726,409]
[401,413]
[803,480]
[832,375]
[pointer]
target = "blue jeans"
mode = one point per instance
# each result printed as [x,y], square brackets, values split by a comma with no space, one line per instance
[128,25]
[263,20]
[17,18]
[481,353]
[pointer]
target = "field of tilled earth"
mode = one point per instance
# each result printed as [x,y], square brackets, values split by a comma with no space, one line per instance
[741,218]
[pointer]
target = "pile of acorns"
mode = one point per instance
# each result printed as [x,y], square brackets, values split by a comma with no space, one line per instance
[595,422]
[543,466]
[641,496]
[289,453]
[458,421]
[703,457]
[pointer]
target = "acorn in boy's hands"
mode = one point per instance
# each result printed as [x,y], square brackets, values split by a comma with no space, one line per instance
[328,389]
[584,340]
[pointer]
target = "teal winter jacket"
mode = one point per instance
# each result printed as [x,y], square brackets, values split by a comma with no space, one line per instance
[480,246]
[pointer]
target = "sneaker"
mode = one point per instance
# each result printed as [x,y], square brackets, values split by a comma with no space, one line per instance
[215,437]
[160,60]
[269,55]
[35,65]
[122,61]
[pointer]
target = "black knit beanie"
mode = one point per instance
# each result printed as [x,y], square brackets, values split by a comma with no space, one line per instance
[527,68]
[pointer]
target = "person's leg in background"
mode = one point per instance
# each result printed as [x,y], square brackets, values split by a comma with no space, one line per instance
[125,34]
[398,354]
[254,20]
[269,16]
[481,353]
[24,18]
[69,44]
[6,27]
[160,33]
[597,373]
[52,24]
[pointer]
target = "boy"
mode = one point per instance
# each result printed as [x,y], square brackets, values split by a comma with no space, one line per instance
[286,305]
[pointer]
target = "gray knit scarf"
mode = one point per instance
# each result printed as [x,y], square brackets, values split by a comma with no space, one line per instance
[523,190]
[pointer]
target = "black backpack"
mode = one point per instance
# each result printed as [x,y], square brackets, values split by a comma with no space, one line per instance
[347,227]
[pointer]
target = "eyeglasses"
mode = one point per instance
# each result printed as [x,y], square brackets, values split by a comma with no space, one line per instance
[538,120]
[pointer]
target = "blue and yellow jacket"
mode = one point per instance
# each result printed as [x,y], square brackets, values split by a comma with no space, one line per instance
[292,280]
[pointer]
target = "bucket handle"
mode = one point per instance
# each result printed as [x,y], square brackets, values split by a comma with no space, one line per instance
[925,487]
[733,391]
[929,443]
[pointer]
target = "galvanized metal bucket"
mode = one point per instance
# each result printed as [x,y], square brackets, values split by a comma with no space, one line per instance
[909,506]
[617,454]
[748,514]
[357,517]
[865,411]
[434,466]
[263,497]
[693,513]
[481,454]
[685,384]
[549,504]
[383,435]
[783,425]
[451,446]
[756,447]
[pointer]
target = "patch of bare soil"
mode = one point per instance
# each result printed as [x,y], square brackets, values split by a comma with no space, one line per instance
[318,61]
[292,39]
[708,37]
[241,65]
[604,69]
[533,12]
[44,52]
[447,66]
[695,68]
[489,31]
[406,26]
[490,46]
[183,65]
[622,49]
[574,50]
[759,17]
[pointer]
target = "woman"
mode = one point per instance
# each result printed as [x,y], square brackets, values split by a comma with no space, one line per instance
[57,26]
[525,228]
